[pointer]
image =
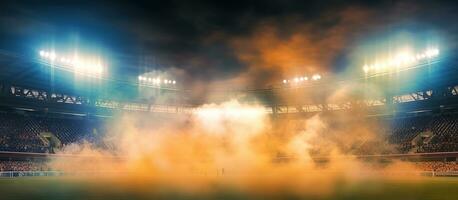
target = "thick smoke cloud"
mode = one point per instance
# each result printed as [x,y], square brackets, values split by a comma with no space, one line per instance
[235,145]
[278,49]
[338,39]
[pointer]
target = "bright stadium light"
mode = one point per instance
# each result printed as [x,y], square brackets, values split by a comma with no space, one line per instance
[65,60]
[366,68]
[301,79]
[401,60]
[98,69]
[432,52]
[147,80]
[316,77]
[86,66]
[52,56]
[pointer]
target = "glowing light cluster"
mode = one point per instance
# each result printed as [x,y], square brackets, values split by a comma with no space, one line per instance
[302,79]
[155,81]
[401,60]
[74,63]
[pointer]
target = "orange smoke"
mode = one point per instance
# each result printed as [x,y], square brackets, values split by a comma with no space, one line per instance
[290,47]
[232,144]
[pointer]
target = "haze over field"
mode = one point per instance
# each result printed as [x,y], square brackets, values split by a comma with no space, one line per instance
[238,145]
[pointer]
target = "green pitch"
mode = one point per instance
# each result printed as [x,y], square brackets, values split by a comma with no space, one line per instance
[48,188]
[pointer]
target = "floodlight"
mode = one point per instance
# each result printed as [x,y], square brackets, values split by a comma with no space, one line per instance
[366,68]
[98,69]
[84,66]
[432,52]
[52,56]
[316,77]
[400,60]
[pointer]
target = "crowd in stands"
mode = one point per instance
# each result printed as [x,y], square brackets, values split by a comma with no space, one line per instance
[21,133]
[406,129]
[438,166]
[442,133]
[23,166]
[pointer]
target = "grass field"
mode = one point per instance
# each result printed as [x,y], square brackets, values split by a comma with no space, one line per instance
[71,188]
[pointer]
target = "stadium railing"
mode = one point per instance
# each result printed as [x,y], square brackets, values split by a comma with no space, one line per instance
[12,174]
[449,174]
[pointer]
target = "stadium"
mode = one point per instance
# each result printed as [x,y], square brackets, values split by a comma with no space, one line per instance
[229,100]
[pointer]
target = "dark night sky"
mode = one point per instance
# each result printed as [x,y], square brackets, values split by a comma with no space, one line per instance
[248,42]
